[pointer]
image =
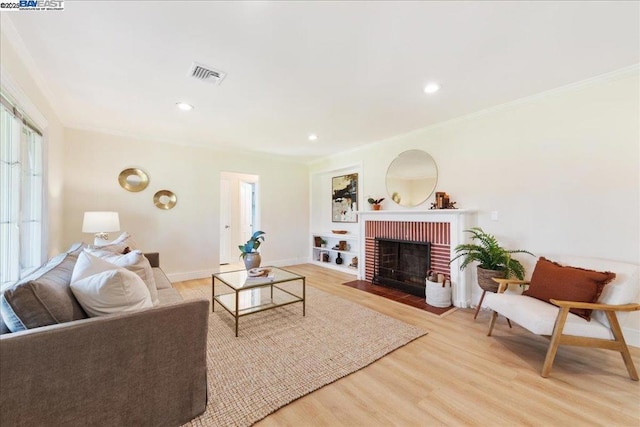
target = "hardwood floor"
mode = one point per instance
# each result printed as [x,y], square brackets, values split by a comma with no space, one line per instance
[456,375]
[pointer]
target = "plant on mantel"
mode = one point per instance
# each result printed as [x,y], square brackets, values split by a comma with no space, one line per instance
[375,203]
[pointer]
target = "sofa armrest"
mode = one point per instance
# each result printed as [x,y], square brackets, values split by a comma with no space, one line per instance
[154,258]
[146,368]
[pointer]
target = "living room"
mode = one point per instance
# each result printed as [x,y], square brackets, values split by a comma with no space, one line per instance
[548,160]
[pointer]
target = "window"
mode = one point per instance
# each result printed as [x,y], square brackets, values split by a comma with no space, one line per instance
[21,194]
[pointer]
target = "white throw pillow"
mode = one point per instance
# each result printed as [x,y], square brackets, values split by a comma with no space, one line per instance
[133,261]
[102,288]
[118,245]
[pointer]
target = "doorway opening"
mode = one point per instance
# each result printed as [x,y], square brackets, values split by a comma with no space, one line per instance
[239,215]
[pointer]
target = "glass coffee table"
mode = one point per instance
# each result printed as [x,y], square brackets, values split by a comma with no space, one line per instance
[253,295]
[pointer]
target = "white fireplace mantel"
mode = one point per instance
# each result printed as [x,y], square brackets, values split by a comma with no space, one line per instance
[459,220]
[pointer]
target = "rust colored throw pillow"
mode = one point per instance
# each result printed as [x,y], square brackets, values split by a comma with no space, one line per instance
[551,280]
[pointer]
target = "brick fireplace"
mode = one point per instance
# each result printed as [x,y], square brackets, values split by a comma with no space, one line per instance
[443,229]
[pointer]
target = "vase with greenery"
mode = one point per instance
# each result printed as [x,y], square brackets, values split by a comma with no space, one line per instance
[249,251]
[493,260]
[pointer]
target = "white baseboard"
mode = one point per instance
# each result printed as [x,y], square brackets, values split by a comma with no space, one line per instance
[202,274]
[631,335]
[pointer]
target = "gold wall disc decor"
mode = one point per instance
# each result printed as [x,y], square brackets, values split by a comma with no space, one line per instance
[165,199]
[133,179]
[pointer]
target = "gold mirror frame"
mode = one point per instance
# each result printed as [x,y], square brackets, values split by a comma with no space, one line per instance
[133,187]
[411,178]
[173,199]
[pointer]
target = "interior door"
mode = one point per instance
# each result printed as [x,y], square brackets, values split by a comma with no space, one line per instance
[225,222]
[246,210]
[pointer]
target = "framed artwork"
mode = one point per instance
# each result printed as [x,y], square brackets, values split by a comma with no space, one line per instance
[344,198]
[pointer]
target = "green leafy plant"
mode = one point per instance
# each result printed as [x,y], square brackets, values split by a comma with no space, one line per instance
[489,254]
[373,201]
[252,244]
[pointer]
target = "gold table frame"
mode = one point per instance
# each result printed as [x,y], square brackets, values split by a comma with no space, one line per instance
[248,296]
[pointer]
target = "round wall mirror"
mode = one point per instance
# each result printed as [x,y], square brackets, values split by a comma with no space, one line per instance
[411,178]
[165,199]
[133,179]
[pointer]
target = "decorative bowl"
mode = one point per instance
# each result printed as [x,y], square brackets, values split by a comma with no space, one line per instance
[339,231]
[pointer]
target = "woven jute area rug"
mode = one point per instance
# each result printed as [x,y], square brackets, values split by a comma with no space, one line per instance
[280,356]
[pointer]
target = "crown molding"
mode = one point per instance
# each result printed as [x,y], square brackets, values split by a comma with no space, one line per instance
[12,36]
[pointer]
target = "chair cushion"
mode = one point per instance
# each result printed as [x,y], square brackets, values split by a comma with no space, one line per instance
[44,297]
[539,317]
[551,280]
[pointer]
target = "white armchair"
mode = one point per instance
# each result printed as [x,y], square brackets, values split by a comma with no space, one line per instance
[556,322]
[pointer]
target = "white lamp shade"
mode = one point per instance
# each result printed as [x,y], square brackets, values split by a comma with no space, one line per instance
[100,222]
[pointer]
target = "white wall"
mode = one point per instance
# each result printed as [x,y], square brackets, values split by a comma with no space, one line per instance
[561,169]
[187,235]
[18,82]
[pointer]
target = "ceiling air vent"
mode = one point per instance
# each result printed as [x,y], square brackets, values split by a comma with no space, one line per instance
[206,74]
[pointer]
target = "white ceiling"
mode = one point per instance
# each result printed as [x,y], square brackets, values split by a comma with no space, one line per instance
[351,72]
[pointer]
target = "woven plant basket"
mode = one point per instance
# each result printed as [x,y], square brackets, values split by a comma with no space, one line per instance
[438,294]
[485,279]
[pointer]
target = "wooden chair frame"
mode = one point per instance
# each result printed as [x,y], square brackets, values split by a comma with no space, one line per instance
[558,338]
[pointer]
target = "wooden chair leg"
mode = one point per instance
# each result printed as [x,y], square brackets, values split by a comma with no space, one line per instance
[624,350]
[555,341]
[479,304]
[509,322]
[494,316]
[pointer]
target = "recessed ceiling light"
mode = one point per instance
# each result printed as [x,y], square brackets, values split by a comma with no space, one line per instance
[313,137]
[432,88]
[184,106]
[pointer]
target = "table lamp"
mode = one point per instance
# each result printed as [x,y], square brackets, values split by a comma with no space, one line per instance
[100,223]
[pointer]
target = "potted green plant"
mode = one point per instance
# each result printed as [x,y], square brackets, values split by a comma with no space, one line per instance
[493,260]
[375,203]
[249,251]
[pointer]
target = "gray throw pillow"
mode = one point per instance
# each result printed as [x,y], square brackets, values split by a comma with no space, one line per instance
[44,297]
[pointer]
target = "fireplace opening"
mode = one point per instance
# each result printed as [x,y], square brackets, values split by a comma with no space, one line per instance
[402,264]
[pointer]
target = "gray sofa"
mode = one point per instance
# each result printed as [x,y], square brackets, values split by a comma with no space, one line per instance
[144,368]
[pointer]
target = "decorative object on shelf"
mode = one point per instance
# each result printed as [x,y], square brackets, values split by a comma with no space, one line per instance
[438,290]
[249,251]
[414,169]
[165,199]
[493,261]
[342,245]
[375,203]
[100,223]
[133,179]
[324,255]
[354,262]
[339,231]
[339,259]
[443,201]
[319,242]
[344,198]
